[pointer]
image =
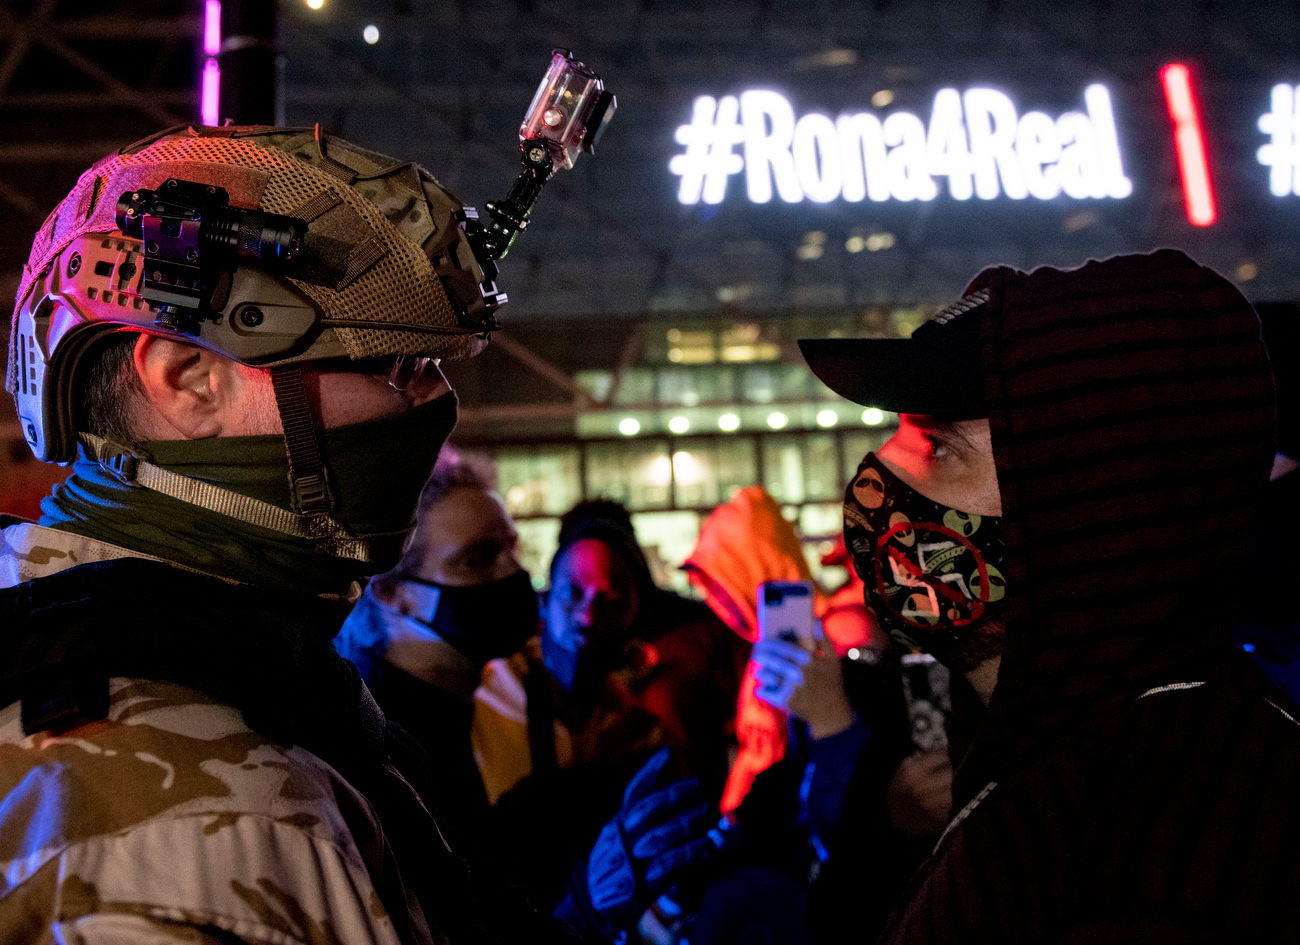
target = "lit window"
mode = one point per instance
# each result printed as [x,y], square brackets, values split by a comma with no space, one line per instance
[741,333]
[629,426]
[777,420]
[596,383]
[686,469]
[827,418]
[691,347]
[729,422]
[679,424]
[873,417]
[814,244]
[659,472]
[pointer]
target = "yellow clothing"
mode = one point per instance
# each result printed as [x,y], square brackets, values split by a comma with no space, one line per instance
[499,733]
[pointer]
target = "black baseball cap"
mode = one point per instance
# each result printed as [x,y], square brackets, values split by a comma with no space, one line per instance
[936,372]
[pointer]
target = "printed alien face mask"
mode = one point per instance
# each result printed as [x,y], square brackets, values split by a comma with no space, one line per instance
[933,573]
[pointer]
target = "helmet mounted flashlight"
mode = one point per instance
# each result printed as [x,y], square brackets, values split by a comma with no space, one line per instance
[193,240]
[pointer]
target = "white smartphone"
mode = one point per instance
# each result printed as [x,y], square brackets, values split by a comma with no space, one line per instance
[785,612]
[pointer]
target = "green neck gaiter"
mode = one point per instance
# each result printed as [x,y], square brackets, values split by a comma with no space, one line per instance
[376,471]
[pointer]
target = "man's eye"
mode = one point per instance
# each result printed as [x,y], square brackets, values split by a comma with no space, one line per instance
[938,447]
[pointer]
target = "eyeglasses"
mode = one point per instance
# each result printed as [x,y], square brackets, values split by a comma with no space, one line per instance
[407,371]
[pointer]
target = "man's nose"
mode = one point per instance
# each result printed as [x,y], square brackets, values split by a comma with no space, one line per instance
[585,611]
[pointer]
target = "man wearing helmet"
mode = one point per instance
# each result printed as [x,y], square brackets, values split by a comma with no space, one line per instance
[232,334]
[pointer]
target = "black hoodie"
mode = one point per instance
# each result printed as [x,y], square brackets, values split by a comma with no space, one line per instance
[1135,776]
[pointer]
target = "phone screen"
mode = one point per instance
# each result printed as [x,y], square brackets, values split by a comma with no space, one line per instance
[785,612]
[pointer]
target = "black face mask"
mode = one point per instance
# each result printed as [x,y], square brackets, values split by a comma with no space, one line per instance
[933,573]
[483,621]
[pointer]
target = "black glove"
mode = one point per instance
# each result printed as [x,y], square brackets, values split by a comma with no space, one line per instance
[663,826]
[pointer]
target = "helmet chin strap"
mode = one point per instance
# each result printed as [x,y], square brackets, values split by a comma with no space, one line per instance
[308,486]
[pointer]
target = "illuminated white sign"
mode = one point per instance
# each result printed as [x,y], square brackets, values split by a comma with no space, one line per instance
[1282,154]
[975,140]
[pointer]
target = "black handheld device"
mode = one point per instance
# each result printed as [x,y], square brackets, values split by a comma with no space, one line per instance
[192,237]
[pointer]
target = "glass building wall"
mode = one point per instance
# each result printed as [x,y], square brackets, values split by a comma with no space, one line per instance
[704,409]
[670,484]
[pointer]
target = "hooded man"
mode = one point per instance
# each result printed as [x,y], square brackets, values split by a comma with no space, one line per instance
[1077,462]
[231,333]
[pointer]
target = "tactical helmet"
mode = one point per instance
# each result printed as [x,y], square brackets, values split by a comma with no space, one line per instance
[384,268]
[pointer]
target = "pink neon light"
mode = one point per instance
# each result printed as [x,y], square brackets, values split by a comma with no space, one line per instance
[1190,144]
[212,27]
[211,92]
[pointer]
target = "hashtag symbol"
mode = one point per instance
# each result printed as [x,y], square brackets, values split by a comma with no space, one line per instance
[709,139]
[1282,155]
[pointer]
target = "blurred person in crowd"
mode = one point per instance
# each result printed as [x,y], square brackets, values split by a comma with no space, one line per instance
[1060,519]
[422,632]
[183,756]
[743,543]
[621,669]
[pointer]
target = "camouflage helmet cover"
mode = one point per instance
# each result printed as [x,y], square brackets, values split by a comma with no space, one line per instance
[385,267]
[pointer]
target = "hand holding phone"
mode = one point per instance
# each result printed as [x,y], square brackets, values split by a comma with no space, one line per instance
[778,669]
[787,637]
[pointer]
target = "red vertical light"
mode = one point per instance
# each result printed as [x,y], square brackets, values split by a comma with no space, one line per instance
[1190,144]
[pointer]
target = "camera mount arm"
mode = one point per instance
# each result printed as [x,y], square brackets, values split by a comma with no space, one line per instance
[568,115]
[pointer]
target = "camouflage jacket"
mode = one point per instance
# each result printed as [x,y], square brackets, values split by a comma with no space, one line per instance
[171,820]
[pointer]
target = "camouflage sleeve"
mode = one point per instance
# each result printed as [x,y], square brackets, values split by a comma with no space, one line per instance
[136,930]
[171,821]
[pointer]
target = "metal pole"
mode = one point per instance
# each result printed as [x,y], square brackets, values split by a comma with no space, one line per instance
[251,71]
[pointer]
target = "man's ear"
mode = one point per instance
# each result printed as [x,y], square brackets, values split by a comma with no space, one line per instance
[195,393]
